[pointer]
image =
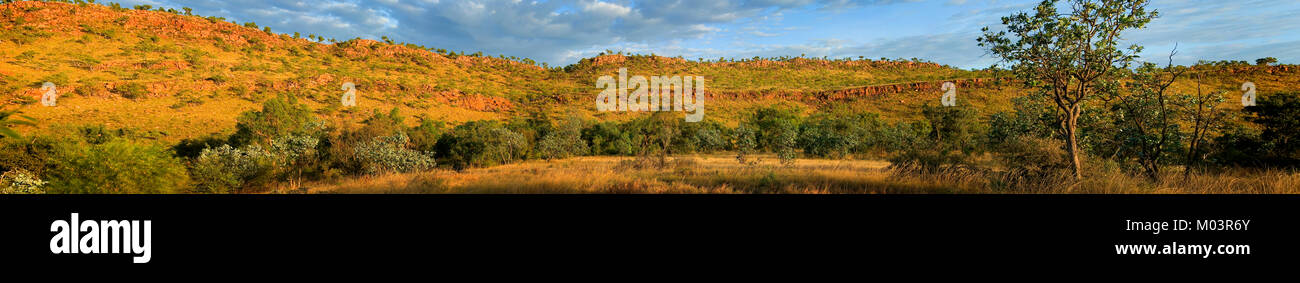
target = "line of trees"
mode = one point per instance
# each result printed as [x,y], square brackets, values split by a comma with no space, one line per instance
[1098,100]
[285,144]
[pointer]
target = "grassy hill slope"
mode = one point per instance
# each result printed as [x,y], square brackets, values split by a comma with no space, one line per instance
[173,76]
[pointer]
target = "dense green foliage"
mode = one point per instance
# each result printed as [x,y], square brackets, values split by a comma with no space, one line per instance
[607,138]
[1067,56]
[117,166]
[1277,144]
[480,143]
[563,141]
[944,141]
[284,144]
[840,134]
[131,90]
[280,116]
[225,168]
[775,129]
[390,155]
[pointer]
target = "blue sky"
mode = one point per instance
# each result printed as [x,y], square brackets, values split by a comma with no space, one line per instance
[562,31]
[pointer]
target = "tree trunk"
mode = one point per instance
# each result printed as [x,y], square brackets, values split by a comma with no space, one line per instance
[1192,152]
[1072,141]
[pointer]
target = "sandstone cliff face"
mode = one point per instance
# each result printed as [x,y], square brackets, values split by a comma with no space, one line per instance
[852,93]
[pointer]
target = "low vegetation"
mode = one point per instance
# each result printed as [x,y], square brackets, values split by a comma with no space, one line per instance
[284,147]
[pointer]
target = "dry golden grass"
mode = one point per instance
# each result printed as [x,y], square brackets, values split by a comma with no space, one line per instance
[152,115]
[686,174]
[1236,181]
[721,174]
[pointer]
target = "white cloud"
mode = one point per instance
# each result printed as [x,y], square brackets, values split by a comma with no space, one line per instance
[605,9]
[555,31]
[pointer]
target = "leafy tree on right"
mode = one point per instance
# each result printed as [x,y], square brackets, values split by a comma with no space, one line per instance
[1068,57]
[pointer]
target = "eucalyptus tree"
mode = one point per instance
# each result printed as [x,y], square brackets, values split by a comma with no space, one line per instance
[1068,56]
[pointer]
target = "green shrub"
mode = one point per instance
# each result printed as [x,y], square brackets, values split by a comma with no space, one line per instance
[19,181]
[1239,145]
[1279,116]
[239,91]
[224,168]
[903,136]
[381,124]
[704,136]
[295,149]
[195,57]
[390,155]
[941,143]
[193,147]
[607,138]
[98,134]
[105,32]
[340,145]
[84,62]
[131,90]
[1034,157]
[116,167]
[90,87]
[1008,125]
[218,79]
[653,137]
[928,159]
[424,137]
[955,127]
[480,143]
[280,116]
[776,130]
[26,55]
[531,127]
[745,141]
[32,155]
[563,142]
[295,154]
[59,80]
[186,98]
[839,134]
[24,34]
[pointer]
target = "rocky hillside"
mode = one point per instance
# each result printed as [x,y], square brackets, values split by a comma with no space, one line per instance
[177,76]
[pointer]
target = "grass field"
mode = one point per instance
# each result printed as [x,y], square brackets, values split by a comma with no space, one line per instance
[720,173]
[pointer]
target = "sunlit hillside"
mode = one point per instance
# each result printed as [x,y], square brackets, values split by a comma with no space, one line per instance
[180,76]
[174,76]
